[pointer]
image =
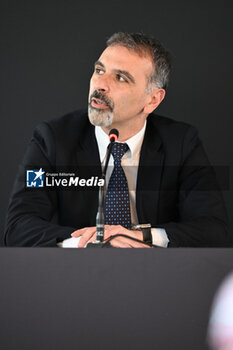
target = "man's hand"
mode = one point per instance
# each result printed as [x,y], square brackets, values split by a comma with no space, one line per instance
[89,235]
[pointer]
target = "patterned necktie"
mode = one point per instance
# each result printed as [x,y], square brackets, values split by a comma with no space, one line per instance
[117,205]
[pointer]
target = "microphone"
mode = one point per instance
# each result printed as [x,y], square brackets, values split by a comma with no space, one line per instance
[113,136]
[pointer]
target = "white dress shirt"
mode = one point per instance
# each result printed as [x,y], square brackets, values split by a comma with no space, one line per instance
[129,162]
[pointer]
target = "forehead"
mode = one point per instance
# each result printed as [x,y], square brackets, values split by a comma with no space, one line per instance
[119,57]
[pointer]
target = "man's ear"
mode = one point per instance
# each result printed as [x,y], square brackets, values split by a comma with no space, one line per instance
[154,99]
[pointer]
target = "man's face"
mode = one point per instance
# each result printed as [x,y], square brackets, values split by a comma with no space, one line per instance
[117,94]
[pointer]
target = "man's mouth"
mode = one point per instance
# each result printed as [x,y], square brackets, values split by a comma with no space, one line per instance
[97,103]
[100,101]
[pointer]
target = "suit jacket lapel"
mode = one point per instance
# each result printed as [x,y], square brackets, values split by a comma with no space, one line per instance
[88,153]
[89,165]
[149,176]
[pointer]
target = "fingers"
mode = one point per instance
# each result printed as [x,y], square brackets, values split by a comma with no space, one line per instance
[89,234]
[79,232]
[118,243]
[86,234]
[112,230]
[122,242]
[93,238]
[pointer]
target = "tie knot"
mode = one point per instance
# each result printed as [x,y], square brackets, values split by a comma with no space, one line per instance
[118,150]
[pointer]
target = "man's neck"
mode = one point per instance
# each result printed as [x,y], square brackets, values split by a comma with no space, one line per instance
[125,132]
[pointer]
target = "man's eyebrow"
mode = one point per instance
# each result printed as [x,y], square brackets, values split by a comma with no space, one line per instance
[99,63]
[118,71]
[127,74]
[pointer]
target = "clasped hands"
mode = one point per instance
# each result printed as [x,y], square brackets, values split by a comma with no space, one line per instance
[88,234]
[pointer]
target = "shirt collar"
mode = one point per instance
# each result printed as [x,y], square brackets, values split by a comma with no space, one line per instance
[134,142]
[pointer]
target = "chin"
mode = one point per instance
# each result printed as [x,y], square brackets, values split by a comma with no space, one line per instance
[99,117]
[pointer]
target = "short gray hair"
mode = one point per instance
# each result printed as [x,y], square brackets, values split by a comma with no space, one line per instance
[143,45]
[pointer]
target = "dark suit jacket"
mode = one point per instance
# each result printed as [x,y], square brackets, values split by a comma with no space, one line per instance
[176,186]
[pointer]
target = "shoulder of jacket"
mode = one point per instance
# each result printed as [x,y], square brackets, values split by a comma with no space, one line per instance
[69,120]
[161,122]
[72,123]
[166,126]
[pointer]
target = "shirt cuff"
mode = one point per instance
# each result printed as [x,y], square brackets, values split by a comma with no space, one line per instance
[69,243]
[159,237]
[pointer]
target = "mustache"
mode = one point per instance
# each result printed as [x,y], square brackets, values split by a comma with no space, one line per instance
[99,95]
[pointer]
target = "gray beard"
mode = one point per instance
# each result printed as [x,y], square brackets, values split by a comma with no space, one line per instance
[100,117]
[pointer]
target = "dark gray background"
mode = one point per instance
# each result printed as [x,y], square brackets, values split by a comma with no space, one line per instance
[47,54]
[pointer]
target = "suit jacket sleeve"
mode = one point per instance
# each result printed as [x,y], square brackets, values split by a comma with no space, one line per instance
[202,220]
[31,219]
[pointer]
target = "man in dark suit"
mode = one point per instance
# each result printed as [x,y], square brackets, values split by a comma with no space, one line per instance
[165,163]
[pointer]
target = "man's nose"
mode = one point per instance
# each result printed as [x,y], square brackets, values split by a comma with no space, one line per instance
[103,83]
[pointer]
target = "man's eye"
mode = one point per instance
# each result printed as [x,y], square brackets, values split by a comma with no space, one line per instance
[99,71]
[120,78]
